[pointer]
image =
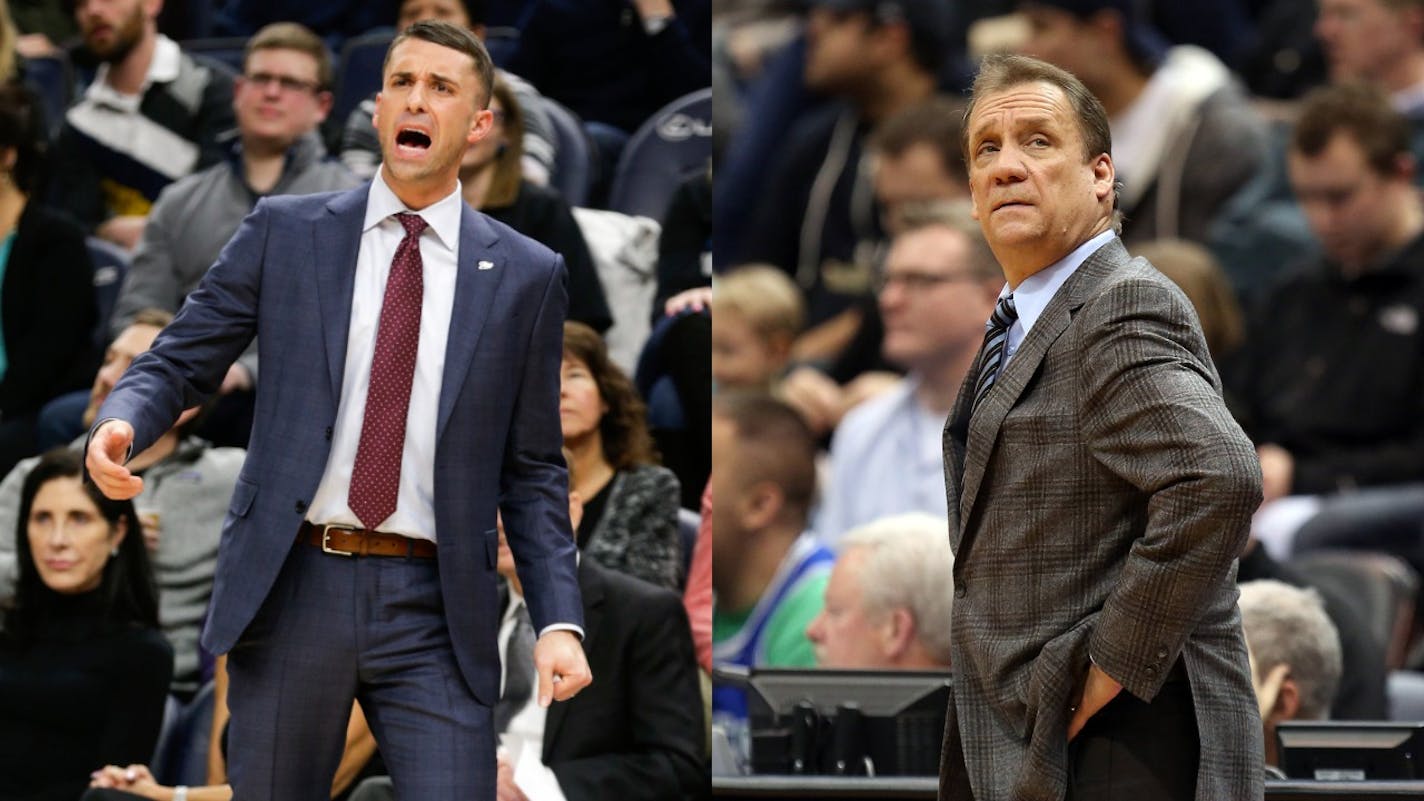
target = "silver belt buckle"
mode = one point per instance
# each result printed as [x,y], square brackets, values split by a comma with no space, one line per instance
[326,537]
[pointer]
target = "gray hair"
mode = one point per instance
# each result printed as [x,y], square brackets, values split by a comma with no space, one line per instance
[1287,625]
[908,564]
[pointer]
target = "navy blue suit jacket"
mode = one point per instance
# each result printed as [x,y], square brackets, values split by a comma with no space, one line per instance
[287,277]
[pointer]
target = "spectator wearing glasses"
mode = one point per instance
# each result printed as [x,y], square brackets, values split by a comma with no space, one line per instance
[281,98]
[938,287]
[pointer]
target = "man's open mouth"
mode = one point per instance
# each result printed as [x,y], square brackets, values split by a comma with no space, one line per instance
[409,137]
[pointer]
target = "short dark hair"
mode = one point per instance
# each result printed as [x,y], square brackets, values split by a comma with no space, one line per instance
[937,122]
[1361,111]
[22,127]
[292,36]
[127,591]
[1001,71]
[455,38]
[785,446]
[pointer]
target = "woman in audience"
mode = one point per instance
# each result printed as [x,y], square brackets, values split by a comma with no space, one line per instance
[47,306]
[493,182]
[83,667]
[630,502]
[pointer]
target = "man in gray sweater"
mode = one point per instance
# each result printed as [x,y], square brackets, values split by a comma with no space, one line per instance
[279,100]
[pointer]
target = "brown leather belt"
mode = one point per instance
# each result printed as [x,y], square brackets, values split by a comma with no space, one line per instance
[346,541]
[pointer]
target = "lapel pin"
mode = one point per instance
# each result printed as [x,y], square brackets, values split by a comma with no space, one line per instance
[485,265]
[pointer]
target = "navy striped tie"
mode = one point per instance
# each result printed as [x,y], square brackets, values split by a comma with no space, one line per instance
[996,338]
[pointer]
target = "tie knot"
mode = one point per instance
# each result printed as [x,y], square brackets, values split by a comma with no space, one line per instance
[1004,313]
[414,223]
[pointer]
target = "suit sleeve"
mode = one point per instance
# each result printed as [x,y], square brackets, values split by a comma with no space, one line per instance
[534,482]
[664,718]
[187,362]
[1153,415]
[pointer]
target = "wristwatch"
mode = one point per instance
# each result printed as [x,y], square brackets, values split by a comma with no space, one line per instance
[180,793]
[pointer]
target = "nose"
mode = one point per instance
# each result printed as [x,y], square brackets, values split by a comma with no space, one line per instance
[815,630]
[1008,165]
[415,98]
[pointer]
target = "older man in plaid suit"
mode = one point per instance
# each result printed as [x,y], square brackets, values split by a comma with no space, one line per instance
[1099,492]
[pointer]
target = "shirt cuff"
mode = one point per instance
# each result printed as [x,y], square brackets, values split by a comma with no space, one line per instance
[578,630]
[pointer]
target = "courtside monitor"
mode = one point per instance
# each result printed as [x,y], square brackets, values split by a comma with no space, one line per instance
[847,722]
[1349,750]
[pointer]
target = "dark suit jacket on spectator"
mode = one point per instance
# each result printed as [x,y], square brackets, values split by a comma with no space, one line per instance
[637,731]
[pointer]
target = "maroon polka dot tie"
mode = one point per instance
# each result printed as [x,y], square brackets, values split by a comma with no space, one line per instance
[375,478]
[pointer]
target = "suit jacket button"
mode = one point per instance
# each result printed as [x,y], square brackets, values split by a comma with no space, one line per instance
[301,507]
[328,433]
[1162,653]
[1150,670]
[960,591]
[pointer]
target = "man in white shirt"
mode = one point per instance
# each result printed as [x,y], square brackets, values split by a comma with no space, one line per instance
[939,285]
[412,348]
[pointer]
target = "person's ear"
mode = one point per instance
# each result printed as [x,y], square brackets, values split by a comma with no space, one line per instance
[761,505]
[897,633]
[1287,701]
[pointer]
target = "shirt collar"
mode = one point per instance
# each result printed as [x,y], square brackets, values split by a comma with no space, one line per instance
[167,61]
[443,216]
[1035,292]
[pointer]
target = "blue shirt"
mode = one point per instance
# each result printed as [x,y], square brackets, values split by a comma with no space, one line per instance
[1035,292]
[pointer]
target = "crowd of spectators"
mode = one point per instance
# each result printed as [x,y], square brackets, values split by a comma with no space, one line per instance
[135,136]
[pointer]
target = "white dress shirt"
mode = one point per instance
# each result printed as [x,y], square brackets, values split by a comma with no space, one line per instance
[523,741]
[1035,292]
[381,234]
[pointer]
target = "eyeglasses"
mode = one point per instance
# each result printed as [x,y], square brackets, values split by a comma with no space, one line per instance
[262,80]
[918,280]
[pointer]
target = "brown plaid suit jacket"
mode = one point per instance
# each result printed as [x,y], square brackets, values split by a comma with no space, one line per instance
[1098,498]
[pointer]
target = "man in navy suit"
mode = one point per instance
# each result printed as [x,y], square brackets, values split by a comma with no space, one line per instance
[413,347]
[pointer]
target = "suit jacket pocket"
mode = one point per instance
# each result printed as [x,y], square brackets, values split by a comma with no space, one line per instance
[243,494]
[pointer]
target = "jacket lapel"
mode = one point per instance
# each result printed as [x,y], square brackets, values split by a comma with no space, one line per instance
[983,427]
[592,588]
[337,245]
[474,294]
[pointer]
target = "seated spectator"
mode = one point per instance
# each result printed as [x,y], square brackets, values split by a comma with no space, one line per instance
[1185,139]
[1331,385]
[112,782]
[915,163]
[361,150]
[759,312]
[47,306]
[630,502]
[152,115]
[280,100]
[492,181]
[889,597]
[685,245]
[1361,694]
[1380,42]
[876,58]
[83,667]
[640,735]
[939,286]
[768,571]
[187,485]
[1295,654]
[916,159]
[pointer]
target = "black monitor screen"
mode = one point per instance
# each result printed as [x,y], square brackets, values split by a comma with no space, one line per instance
[1351,750]
[849,722]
